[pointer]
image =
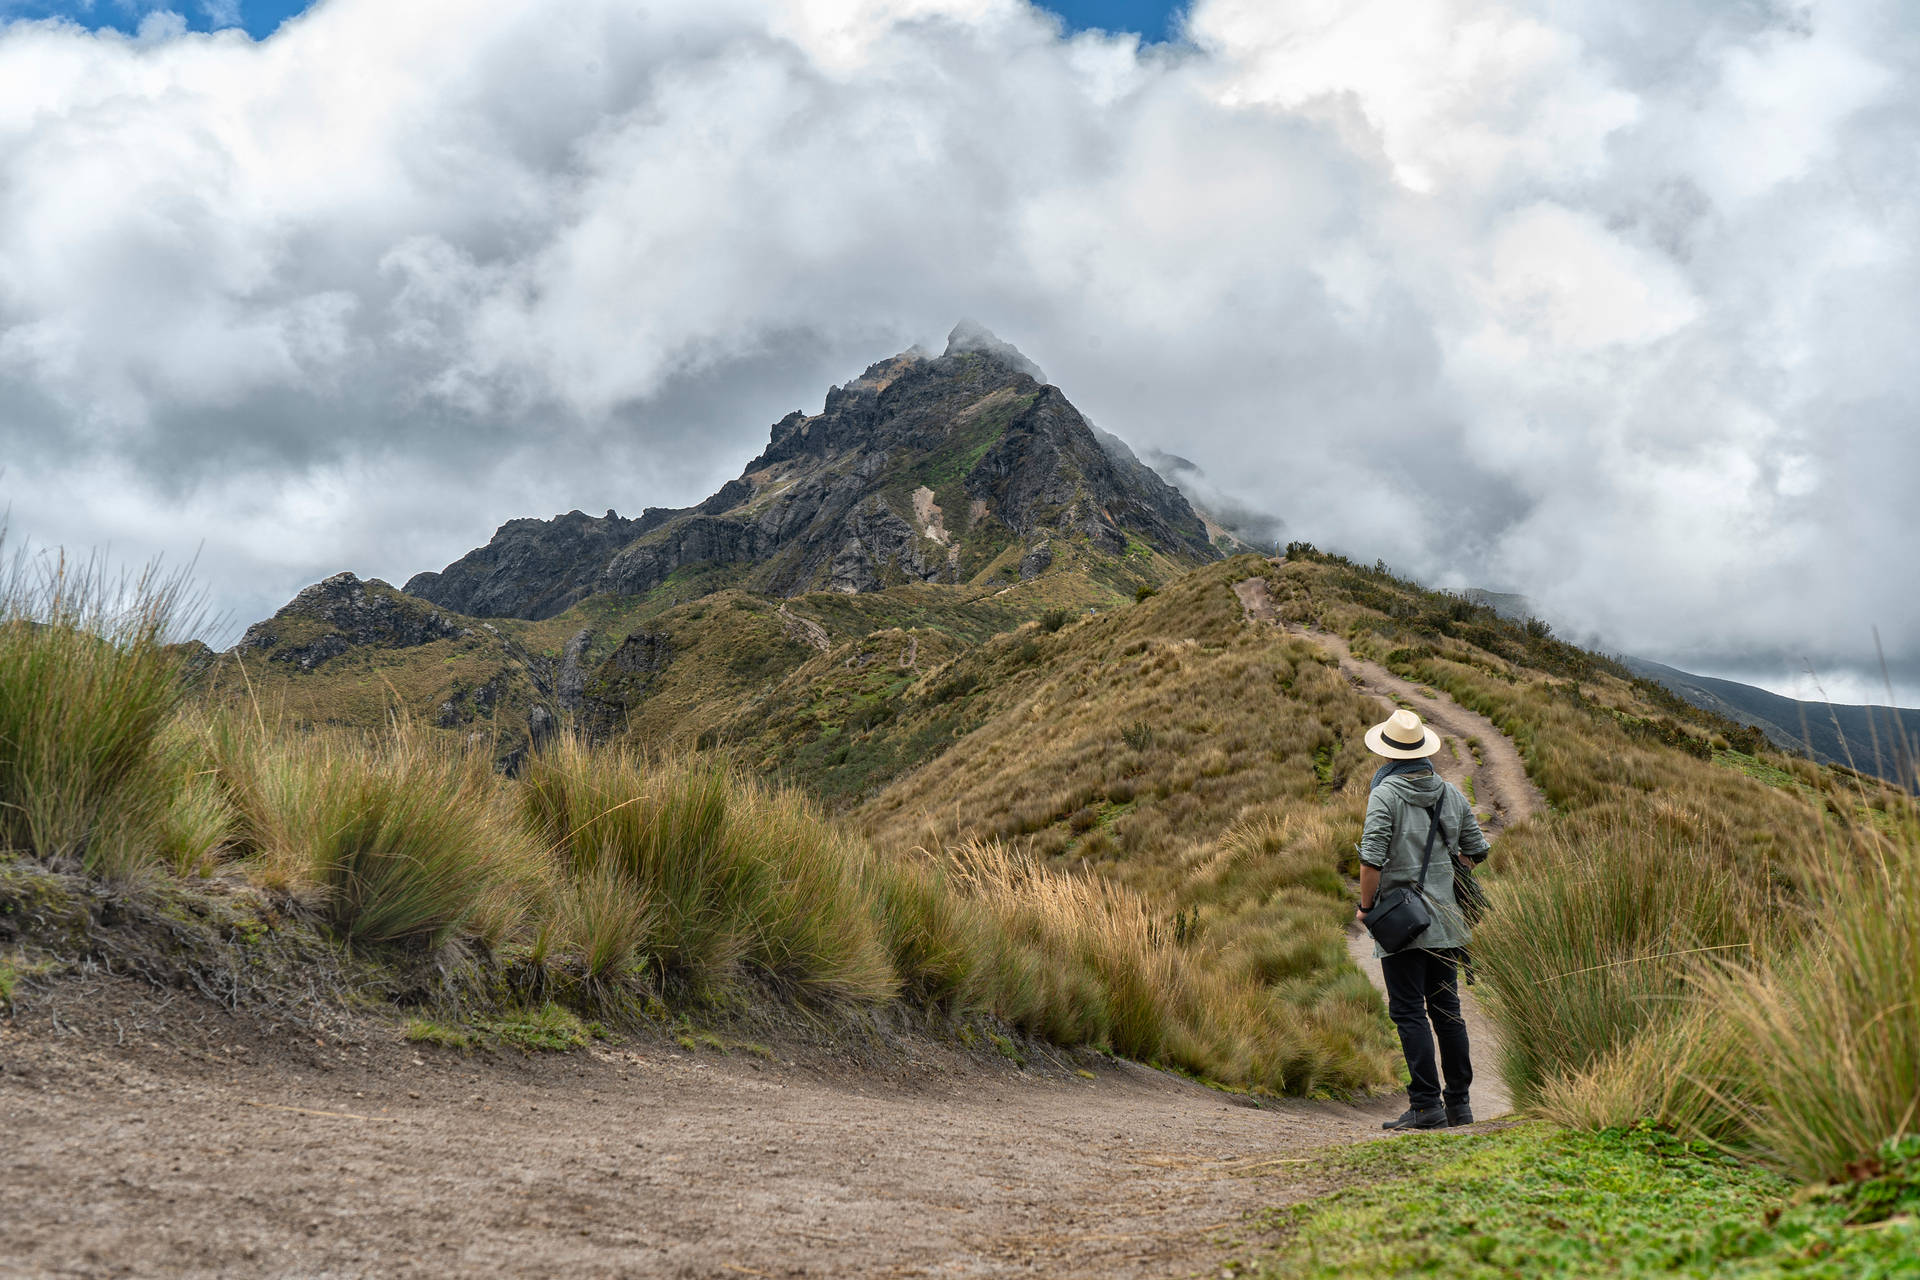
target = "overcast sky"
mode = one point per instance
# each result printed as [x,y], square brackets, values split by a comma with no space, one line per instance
[1610,302]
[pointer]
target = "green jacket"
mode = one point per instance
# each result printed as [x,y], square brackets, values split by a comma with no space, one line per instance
[1395,834]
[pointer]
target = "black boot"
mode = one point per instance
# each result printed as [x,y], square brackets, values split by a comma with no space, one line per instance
[1460,1115]
[1434,1117]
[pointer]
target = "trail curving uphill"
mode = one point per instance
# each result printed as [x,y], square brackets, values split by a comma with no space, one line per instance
[1476,757]
[1490,770]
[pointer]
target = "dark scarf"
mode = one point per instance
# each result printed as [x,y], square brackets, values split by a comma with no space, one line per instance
[1394,768]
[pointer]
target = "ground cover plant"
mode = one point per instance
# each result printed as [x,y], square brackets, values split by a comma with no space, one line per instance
[1536,1201]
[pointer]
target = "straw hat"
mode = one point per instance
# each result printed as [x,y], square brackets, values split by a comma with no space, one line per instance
[1402,737]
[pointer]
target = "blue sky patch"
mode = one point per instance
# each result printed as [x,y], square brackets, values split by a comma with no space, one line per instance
[1153,19]
[260,17]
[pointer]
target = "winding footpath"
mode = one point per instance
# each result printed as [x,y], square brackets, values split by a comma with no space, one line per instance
[1475,757]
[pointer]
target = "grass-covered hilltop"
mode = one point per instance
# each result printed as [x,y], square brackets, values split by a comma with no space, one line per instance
[951,714]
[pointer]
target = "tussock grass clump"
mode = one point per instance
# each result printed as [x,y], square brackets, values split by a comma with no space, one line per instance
[1592,941]
[704,871]
[1078,959]
[398,837]
[87,690]
[1833,1030]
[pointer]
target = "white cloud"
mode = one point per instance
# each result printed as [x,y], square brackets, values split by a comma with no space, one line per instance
[1617,298]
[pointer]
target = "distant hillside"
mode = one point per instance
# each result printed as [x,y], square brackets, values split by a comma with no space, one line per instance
[1877,740]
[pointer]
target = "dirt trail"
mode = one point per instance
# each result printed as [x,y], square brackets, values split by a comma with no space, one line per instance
[176,1140]
[1490,772]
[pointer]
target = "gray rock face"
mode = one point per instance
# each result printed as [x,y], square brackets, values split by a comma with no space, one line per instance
[824,506]
[624,680]
[354,613]
[1036,562]
[877,539]
[534,568]
[571,684]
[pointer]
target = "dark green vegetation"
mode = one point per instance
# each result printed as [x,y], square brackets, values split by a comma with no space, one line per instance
[1535,1201]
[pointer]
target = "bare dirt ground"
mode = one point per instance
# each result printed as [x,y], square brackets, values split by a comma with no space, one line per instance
[154,1135]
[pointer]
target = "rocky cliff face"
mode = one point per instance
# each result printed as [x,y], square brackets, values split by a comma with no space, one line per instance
[929,469]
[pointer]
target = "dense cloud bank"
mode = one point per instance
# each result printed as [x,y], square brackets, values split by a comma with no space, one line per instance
[1611,303]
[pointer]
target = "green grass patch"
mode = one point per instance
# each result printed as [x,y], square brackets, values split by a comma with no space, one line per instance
[440,1034]
[548,1029]
[1539,1202]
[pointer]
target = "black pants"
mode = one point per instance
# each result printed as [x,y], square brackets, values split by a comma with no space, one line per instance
[1422,989]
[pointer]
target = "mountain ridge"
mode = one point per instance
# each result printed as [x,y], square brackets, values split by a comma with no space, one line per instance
[928,469]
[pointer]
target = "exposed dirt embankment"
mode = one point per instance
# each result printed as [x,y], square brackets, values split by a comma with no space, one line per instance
[156,1135]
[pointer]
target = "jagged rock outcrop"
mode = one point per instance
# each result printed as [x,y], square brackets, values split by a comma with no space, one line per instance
[923,469]
[570,685]
[330,617]
[534,568]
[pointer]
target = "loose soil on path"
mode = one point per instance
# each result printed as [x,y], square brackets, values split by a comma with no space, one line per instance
[153,1136]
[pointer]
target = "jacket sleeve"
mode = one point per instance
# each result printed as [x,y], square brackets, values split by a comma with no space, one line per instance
[1473,841]
[1376,838]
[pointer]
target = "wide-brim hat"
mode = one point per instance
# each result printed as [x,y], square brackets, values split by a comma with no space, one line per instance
[1402,736]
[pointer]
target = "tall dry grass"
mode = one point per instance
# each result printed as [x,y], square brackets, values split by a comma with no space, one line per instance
[1592,940]
[702,872]
[1772,1005]
[87,691]
[396,837]
[1078,959]
[1831,1029]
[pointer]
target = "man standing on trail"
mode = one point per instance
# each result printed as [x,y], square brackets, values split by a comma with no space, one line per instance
[1409,811]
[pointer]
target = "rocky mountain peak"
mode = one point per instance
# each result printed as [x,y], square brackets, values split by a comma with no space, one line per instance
[328,618]
[951,468]
[972,336]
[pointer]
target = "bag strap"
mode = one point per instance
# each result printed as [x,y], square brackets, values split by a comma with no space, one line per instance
[1426,855]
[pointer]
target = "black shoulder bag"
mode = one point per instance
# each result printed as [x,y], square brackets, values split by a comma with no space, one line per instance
[1400,914]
